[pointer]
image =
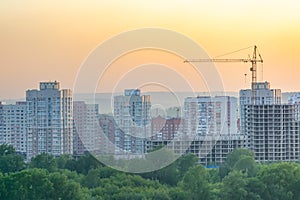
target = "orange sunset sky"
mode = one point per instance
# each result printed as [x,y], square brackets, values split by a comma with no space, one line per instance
[49,40]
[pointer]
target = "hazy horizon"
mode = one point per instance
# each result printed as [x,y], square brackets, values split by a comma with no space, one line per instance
[160,100]
[50,40]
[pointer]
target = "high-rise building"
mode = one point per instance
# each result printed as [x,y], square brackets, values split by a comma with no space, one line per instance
[264,96]
[107,124]
[295,100]
[206,115]
[13,126]
[210,129]
[49,120]
[87,132]
[271,128]
[273,132]
[132,118]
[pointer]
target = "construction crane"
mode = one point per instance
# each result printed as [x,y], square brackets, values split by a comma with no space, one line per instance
[254,60]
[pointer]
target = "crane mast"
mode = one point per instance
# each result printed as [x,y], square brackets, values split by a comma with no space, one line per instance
[254,74]
[254,60]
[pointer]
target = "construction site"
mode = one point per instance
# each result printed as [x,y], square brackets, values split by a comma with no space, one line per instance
[266,126]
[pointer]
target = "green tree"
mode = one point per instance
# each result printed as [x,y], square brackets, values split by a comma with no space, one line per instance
[234,186]
[255,188]
[185,162]
[43,161]
[195,182]
[65,188]
[92,179]
[280,179]
[246,164]
[232,158]
[31,184]
[10,161]
[6,149]
[213,175]
[177,193]
[62,160]
[167,175]
[83,164]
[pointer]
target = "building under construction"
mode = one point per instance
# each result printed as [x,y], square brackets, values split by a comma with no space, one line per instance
[268,128]
[271,127]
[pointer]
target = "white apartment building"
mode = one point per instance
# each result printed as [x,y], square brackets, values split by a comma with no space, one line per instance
[13,125]
[49,120]
[205,115]
[132,120]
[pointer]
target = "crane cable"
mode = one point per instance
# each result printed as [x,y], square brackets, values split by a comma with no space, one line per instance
[234,51]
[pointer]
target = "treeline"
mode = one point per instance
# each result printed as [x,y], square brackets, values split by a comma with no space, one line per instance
[64,177]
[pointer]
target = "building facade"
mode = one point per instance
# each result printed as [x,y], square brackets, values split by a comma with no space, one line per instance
[264,96]
[132,120]
[165,129]
[271,128]
[273,132]
[13,126]
[107,124]
[295,100]
[210,129]
[87,135]
[210,150]
[205,115]
[49,112]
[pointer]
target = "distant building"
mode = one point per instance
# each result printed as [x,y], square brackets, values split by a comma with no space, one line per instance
[13,126]
[211,150]
[49,120]
[295,100]
[271,128]
[107,124]
[264,96]
[165,129]
[86,127]
[132,118]
[206,115]
[273,132]
[210,129]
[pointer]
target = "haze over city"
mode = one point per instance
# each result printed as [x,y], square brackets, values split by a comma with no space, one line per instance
[42,41]
[152,99]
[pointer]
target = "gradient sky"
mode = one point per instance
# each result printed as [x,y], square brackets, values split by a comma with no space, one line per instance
[49,40]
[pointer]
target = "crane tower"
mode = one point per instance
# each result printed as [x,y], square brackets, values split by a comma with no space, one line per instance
[254,60]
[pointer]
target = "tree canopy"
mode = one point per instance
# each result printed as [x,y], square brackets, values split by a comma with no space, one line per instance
[65,177]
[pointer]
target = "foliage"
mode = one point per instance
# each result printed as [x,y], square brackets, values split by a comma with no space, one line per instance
[10,161]
[44,161]
[65,177]
[233,161]
[234,186]
[39,184]
[195,182]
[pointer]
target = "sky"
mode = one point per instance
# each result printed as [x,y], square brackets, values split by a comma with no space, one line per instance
[50,40]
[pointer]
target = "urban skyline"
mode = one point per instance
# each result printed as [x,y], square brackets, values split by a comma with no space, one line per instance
[50,121]
[149,99]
